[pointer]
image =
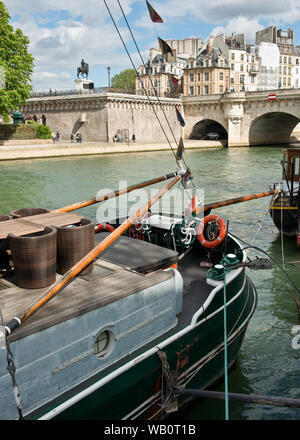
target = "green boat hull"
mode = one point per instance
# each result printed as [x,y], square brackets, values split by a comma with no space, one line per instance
[194,353]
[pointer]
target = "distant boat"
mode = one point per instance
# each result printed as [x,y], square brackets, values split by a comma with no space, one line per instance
[285,206]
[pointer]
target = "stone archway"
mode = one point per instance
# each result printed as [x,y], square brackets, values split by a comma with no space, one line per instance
[202,128]
[273,128]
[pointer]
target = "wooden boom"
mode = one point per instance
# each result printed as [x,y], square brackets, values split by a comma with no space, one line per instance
[239,200]
[84,262]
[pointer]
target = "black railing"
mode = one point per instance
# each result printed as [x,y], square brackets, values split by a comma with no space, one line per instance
[103,90]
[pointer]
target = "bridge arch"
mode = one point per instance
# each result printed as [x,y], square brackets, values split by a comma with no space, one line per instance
[272,128]
[201,128]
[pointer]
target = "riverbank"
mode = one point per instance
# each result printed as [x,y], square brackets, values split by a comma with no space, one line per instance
[62,149]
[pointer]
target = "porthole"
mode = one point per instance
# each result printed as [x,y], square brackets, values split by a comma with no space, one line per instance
[104,343]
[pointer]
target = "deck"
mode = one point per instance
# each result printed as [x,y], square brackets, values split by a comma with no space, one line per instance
[107,283]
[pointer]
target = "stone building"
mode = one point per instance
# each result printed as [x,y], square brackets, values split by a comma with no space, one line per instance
[154,76]
[284,39]
[206,74]
[268,66]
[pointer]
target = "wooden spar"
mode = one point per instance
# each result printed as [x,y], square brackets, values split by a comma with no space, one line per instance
[115,193]
[253,398]
[85,261]
[239,200]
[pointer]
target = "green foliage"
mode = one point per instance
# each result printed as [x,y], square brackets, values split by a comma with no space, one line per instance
[124,80]
[17,64]
[20,131]
[43,132]
[32,124]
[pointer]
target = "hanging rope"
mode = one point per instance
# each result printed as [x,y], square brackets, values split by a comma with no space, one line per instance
[12,371]
[168,392]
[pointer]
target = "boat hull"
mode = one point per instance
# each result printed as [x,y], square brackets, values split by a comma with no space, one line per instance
[285,216]
[195,354]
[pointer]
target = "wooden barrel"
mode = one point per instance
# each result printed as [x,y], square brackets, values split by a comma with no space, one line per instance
[4,243]
[27,212]
[73,243]
[34,258]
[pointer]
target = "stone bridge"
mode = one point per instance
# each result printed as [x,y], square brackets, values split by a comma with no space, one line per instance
[243,118]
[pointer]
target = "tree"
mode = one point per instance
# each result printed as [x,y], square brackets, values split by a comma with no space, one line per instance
[16,65]
[124,80]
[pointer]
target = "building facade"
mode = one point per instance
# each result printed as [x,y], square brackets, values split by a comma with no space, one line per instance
[206,74]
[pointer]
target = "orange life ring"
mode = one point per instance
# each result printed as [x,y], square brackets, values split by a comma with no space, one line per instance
[222,231]
[104,227]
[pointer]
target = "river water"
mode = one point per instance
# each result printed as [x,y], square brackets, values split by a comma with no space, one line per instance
[269,359]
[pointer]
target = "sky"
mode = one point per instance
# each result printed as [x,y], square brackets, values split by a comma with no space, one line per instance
[64,32]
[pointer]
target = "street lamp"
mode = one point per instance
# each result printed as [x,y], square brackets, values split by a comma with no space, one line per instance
[108,72]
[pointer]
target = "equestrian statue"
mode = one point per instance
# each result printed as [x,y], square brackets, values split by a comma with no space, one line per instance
[83,70]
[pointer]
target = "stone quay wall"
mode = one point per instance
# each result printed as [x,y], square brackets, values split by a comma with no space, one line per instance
[99,116]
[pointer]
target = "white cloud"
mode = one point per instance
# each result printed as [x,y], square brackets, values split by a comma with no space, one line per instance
[61,33]
[240,25]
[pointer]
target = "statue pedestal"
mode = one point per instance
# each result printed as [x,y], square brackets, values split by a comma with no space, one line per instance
[84,84]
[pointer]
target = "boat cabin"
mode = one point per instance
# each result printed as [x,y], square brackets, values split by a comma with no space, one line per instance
[291,165]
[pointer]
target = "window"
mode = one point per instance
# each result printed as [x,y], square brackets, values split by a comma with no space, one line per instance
[232,55]
[232,66]
[242,57]
[242,67]
[284,60]
[104,344]
[191,77]
[206,76]
[221,63]
[232,80]
[191,90]
[242,79]
[289,81]
[206,90]
[221,76]
[199,77]
[221,89]
[199,90]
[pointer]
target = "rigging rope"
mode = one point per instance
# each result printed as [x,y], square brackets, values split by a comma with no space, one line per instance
[139,77]
[149,77]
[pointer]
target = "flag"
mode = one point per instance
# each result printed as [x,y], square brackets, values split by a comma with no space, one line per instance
[179,117]
[164,47]
[193,206]
[180,149]
[173,81]
[153,14]
[272,97]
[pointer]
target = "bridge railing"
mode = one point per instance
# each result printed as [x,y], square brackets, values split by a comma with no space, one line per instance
[101,90]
